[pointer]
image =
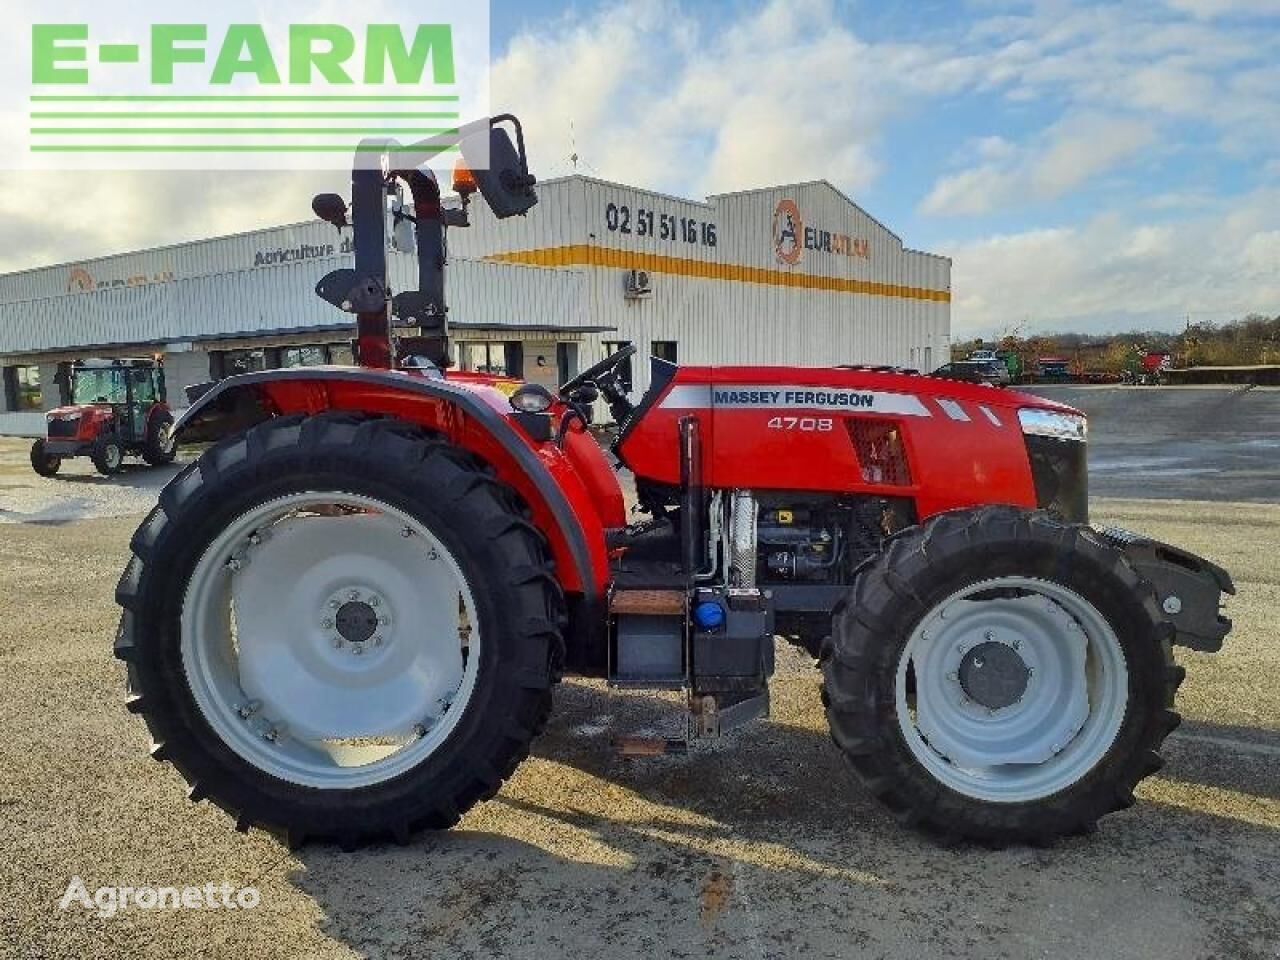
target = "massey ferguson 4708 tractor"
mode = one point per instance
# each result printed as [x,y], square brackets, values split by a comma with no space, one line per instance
[117,409]
[344,621]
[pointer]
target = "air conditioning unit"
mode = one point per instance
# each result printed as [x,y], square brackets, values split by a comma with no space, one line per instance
[638,284]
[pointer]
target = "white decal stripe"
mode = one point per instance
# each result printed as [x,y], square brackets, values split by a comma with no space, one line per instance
[687,398]
[792,396]
[952,409]
[989,415]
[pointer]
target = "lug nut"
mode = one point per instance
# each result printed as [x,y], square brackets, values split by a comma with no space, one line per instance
[990,635]
[327,623]
[374,600]
[953,676]
[377,640]
[254,540]
[1172,605]
[353,595]
[337,643]
[335,604]
[406,531]
[383,621]
[234,564]
[357,648]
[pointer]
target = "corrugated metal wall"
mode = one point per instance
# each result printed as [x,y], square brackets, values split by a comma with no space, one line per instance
[733,301]
[271,299]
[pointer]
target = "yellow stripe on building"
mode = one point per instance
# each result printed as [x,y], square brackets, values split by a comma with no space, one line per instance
[588,255]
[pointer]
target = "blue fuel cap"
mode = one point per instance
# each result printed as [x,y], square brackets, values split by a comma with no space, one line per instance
[708,615]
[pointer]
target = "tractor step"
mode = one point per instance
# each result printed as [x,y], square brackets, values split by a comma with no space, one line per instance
[649,746]
[651,603]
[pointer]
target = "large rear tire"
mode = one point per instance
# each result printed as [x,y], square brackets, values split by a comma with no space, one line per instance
[365,563]
[42,461]
[1000,676]
[159,448]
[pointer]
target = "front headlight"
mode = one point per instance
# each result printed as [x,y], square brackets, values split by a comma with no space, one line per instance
[1054,424]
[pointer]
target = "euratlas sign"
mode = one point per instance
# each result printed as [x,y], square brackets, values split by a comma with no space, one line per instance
[119,84]
[792,237]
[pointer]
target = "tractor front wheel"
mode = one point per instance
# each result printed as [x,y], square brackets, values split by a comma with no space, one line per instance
[1000,676]
[107,454]
[42,462]
[340,627]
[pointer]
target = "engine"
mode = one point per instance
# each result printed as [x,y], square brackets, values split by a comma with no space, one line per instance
[795,544]
[822,540]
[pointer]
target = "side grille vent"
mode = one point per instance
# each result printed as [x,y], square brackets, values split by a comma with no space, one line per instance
[882,455]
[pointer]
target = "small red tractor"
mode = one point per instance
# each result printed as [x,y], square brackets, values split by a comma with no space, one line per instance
[344,621]
[117,409]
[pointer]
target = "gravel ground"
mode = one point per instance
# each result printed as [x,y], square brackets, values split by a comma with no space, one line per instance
[758,846]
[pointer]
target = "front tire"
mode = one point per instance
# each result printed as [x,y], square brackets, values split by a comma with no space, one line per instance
[1073,706]
[107,454]
[42,462]
[419,533]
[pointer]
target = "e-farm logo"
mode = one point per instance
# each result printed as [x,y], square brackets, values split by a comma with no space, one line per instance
[131,90]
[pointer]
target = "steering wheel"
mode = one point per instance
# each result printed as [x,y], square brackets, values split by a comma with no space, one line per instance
[600,375]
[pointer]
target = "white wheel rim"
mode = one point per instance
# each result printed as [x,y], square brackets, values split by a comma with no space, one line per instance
[271,626]
[1071,690]
[113,456]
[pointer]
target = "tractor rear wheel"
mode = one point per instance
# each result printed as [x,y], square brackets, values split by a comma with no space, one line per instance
[340,627]
[42,462]
[1000,676]
[107,454]
[159,447]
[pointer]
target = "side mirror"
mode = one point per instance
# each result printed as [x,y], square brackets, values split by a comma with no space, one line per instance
[330,208]
[505,181]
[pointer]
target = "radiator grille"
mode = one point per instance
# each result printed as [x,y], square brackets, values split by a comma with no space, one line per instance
[63,429]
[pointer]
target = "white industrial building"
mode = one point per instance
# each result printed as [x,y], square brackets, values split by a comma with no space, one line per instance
[794,274]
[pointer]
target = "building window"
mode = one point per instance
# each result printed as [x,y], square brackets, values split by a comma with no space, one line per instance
[664,350]
[624,371]
[229,363]
[316,356]
[22,388]
[342,354]
[504,359]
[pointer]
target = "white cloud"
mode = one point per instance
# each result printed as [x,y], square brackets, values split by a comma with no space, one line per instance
[1070,153]
[1114,272]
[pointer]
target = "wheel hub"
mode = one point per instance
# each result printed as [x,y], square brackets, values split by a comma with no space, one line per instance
[356,621]
[994,675]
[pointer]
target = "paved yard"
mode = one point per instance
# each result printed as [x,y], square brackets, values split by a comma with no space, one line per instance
[758,846]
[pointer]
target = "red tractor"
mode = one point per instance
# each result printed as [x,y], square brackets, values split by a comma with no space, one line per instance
[344,621]
[117,409]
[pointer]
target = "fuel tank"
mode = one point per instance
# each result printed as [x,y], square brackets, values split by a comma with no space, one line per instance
[943,443]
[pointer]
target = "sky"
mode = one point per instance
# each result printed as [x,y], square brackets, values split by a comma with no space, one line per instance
[1087,166]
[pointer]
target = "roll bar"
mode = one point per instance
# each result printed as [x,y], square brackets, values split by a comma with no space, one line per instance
[497,168]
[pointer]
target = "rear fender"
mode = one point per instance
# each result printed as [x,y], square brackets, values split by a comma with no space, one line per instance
[561,506]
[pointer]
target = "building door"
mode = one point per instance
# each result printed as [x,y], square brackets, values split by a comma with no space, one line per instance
[566,361]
